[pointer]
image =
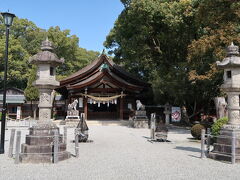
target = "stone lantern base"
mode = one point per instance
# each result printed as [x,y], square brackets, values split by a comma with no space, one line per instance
[223,147]
[72,118]
[139,120]
[39,145]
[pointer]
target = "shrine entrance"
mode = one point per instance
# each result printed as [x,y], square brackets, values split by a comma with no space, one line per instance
[103,111]
[105,91]
[103,107]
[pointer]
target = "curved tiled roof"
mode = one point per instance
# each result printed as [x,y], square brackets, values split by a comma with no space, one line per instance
[96,63]
[100,75]
[92,74]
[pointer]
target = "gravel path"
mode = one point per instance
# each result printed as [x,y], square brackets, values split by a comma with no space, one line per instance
[119,152]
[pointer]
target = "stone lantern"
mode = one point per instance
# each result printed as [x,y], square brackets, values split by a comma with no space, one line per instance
[167,112]
[46,62]
[231,85]
[39,142]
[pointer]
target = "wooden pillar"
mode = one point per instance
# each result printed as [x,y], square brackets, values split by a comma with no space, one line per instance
[121,108]
[85,99]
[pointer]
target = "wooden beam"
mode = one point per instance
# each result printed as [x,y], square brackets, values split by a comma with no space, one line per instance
[121,108]
[98,90]
[85,99]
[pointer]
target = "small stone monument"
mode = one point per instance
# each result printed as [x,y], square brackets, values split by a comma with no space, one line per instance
[82,129]
[39,143]
[223,146]
[140,119]
[159,130]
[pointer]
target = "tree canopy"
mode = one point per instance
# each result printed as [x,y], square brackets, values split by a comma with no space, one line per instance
[174,44]
[25,40]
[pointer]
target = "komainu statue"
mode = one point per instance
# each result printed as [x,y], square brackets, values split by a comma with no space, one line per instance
[73,106]
[140,106]
[139,119]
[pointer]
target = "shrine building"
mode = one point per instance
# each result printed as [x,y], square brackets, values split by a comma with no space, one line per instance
[103,89]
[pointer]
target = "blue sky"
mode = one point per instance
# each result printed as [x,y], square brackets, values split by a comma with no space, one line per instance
[90,20]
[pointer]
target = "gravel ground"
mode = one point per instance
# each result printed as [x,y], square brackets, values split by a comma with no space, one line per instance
[119,152]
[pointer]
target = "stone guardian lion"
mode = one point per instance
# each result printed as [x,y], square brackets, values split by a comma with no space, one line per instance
[140,106]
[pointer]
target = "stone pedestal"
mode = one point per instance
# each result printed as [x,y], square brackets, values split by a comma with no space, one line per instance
[72,118]
[139,120]
[39,145]
[223,147]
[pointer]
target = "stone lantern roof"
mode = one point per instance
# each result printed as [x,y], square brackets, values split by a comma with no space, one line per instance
[232,60]
[46,56]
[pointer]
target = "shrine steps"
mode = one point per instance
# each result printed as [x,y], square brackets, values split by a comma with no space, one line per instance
[107,122]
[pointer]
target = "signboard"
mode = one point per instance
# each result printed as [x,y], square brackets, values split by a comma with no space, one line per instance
[80,102]
[129,106]
[18,112]
[176,114]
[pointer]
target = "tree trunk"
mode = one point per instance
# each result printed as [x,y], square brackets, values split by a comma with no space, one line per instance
[31,109]
[185,116]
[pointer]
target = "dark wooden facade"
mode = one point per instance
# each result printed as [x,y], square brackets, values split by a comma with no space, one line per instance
[103,78]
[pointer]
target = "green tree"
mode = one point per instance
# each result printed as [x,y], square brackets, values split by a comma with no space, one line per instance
[20,44]
[66,46]
[174,45]
[150,38]
[25,40]
[31,92]
[218,26]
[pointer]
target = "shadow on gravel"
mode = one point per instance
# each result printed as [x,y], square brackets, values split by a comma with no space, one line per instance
[192,149]
[88,141]
[155,141]
[178,131]
[194,140]
[146,137]
[198,157]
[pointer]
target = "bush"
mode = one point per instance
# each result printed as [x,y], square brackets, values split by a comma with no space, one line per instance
[218,125]
[196,130]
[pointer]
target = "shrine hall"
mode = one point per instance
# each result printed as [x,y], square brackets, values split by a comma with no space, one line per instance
[104,90]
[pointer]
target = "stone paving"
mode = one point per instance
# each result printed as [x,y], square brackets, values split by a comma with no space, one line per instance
[119,152]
